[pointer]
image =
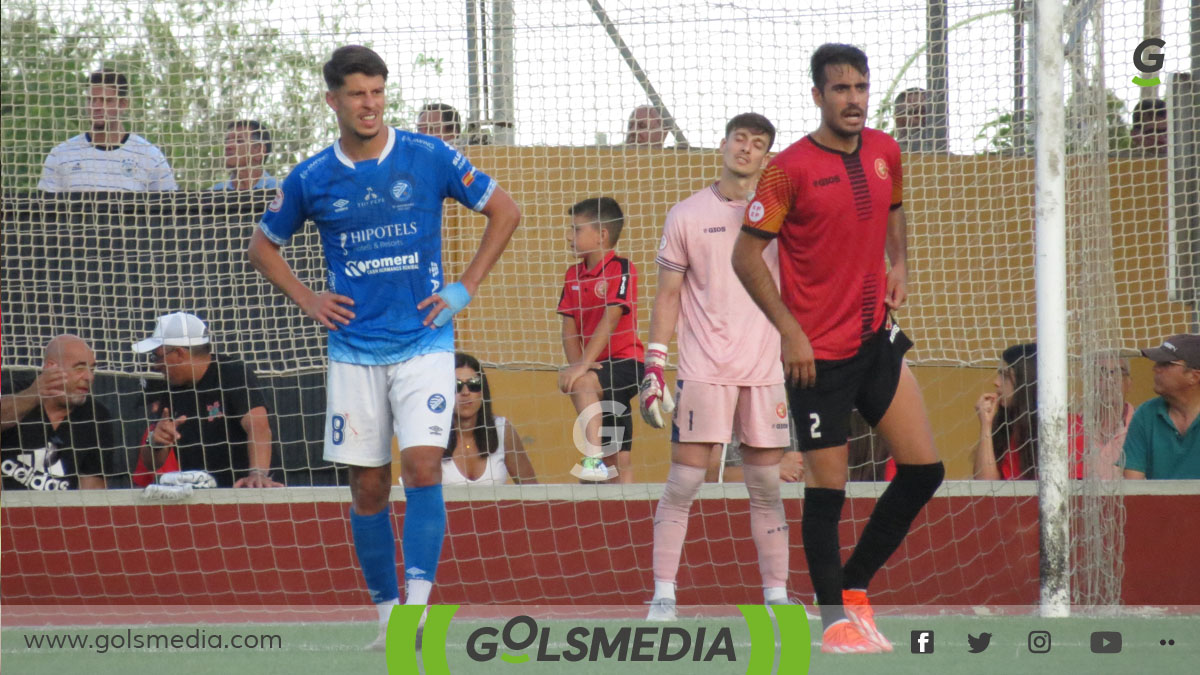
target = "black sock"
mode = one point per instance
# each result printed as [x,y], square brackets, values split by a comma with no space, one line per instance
[819,531]
[894,514]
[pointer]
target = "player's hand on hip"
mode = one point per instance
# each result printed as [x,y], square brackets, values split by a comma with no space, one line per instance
[445,303]
[985,408]
[166,432]
[897,287]
[654,396]
[329,309]
[799,365]
[567,377]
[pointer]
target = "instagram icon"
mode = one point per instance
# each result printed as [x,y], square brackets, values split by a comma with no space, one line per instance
[1039,642]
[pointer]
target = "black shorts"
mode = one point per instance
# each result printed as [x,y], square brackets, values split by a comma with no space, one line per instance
[620,379]
[866,381]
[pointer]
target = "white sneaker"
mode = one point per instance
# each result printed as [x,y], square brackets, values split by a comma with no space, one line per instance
[593,469]
[662,609]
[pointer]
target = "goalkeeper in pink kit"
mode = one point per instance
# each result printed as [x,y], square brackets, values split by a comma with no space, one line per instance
[730,376]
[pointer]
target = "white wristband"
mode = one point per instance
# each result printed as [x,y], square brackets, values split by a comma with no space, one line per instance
[656,354]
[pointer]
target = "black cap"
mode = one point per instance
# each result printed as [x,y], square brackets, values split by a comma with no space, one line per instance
[1184,347]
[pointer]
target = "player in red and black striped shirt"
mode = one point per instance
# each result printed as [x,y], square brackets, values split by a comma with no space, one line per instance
[833,199]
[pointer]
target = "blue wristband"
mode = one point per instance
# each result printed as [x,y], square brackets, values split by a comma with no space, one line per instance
[456,297]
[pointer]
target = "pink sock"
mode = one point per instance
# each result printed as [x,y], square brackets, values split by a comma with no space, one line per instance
[671,518]
[767,523]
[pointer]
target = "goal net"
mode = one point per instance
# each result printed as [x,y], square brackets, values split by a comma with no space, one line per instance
[543,94]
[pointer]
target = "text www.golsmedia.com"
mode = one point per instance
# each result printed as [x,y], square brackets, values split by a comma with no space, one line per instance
[197,639]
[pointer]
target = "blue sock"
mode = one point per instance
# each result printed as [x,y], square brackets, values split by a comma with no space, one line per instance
[375,544]
[424,528]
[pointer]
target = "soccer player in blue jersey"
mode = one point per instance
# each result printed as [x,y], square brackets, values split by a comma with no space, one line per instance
[376,196]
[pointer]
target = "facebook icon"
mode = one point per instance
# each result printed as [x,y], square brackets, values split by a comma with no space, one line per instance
[922,642]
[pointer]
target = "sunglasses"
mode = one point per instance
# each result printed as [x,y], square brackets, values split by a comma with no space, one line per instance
[163,352]
[475,384]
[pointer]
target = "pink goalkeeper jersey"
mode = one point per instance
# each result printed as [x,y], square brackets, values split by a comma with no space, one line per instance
[724,338]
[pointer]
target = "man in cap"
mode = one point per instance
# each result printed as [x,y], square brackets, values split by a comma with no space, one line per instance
[1164,435]
[209,407]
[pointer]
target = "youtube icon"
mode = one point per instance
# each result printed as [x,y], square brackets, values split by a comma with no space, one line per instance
[1106,642]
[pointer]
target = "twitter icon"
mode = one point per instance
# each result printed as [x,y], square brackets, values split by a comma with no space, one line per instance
[978,644]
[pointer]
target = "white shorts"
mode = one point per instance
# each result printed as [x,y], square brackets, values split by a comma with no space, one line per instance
[708,413]
[367,405]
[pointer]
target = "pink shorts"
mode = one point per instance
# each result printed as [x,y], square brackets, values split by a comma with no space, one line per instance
[708,413]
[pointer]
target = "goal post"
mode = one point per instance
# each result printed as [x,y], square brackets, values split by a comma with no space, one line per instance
[1051,280]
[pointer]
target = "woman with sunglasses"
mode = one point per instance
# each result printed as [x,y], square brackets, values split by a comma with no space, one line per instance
[483,449]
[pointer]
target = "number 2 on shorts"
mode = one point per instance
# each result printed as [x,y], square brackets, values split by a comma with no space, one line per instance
[814,430]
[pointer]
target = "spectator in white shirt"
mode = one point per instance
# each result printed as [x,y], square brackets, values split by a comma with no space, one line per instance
[107,157]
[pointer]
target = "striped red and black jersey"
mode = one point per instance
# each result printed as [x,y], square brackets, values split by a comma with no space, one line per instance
[830,211]
[587,293]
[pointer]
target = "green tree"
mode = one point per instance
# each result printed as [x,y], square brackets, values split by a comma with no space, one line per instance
[194,65]
[999,133]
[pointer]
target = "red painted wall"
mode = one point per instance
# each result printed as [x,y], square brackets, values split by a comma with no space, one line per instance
[962,551]
[1162,550]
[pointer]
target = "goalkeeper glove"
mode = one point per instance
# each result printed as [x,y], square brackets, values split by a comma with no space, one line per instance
[456,297]
[655,399]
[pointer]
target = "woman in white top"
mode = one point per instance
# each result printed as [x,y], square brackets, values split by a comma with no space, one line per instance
[483,449]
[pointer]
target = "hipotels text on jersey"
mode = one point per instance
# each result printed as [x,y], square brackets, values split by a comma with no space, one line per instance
[382,232]
[395,263]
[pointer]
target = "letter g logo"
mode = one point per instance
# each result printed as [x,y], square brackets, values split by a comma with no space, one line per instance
[1148,63]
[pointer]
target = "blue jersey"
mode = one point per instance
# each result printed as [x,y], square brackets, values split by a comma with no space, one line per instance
[380,222]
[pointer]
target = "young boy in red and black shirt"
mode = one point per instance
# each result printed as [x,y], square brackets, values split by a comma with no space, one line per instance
[600,338]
